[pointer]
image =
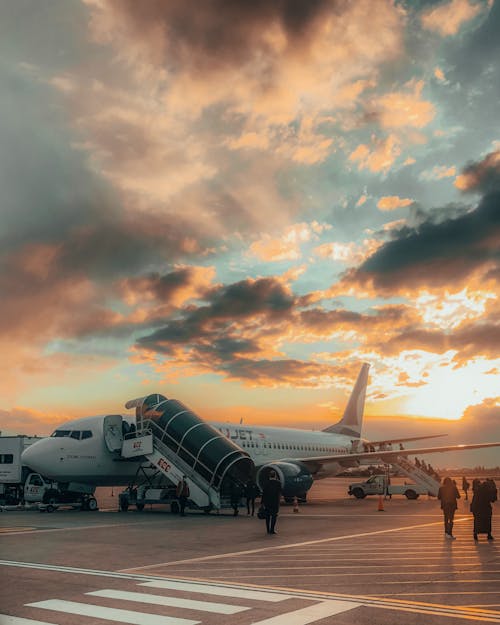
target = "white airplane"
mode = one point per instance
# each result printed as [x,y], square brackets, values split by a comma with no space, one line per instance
[86,450]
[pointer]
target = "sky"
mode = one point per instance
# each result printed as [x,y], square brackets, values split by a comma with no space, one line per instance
[237,203]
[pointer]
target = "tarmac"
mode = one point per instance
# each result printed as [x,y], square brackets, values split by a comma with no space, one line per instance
[338,560]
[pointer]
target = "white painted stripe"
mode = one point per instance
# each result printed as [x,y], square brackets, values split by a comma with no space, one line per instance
[173,602]
[276,547]
[5,619]
[241,593]
[109,614]
[310,614]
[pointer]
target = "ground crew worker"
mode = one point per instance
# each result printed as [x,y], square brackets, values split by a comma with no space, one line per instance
[182,493]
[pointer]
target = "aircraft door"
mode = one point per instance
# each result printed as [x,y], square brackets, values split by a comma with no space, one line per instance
[112,430]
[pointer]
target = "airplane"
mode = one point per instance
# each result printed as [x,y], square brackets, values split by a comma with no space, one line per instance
[85,450]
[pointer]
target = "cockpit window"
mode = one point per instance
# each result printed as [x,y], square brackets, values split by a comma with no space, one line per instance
[61,433]
[76,434]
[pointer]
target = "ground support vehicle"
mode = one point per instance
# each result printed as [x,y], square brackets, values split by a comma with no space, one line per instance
[50,507]
[39,490]
[380,485]
[12,473]
[143,495]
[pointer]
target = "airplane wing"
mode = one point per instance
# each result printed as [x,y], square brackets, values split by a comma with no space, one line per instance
[350,460]
[388,441]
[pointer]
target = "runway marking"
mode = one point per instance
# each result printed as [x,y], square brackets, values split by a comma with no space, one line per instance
[363,560]
[239,593]
[109,614]
[287,546]
[173,602]
[15,530]
[5,619]
[71,529]
[204,585]
[310,614]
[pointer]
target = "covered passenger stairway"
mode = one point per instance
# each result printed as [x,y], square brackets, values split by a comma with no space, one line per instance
[419,476]
[179,443]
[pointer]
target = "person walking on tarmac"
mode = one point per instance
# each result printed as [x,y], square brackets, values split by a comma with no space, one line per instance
[271,496]
[465,487]
[484,495]
[250,493]
[182,493]
[235,496]
[448,495]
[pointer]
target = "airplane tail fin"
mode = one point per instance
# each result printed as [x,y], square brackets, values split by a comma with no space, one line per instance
[352,420]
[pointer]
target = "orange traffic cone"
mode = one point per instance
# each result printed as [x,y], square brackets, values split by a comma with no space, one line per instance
[380,504]
[295,504]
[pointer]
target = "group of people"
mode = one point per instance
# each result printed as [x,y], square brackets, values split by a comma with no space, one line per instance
[427,468]
[483,495]
[270,498]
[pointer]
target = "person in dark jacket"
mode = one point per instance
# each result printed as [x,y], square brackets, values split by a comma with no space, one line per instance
[465,487]
[250,492]
[271,496]
[448,495]
[235,496]
[484,495]
[182,493]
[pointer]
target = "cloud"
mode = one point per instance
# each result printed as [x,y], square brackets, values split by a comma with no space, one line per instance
[288,246]
[438,172]
[27,421]
[482,176]
[439,74]
[379,156]
[446,19]
[392,202]
[402,109]
[349,253]
[445,248]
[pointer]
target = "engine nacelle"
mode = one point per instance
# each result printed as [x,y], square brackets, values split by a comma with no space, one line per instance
[295,477]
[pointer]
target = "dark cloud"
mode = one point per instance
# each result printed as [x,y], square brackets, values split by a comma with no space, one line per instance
[227,305]
[162,287]
[279,372]
[483,176]
[438,252]
[471,341]
[217,33]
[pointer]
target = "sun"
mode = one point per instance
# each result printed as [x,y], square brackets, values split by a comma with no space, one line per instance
[450,390]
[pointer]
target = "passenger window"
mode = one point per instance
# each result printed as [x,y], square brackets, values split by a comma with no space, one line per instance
[75,434]
[86,434]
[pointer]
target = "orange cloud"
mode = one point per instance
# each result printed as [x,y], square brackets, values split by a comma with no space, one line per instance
[392,202]
[288,246]
[378,157]
[439,74]
[348,253]
[446,19]
[438,172]
[402,109]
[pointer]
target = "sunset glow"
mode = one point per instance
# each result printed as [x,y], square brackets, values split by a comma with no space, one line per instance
[240,211]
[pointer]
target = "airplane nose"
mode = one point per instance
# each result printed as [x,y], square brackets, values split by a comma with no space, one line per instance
[37,457]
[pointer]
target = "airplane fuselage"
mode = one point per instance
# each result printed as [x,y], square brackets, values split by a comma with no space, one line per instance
[77,451]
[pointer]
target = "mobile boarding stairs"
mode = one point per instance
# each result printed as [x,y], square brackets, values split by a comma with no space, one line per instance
[178,443]
[419,476]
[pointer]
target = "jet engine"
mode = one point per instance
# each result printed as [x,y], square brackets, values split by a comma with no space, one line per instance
[295,477]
